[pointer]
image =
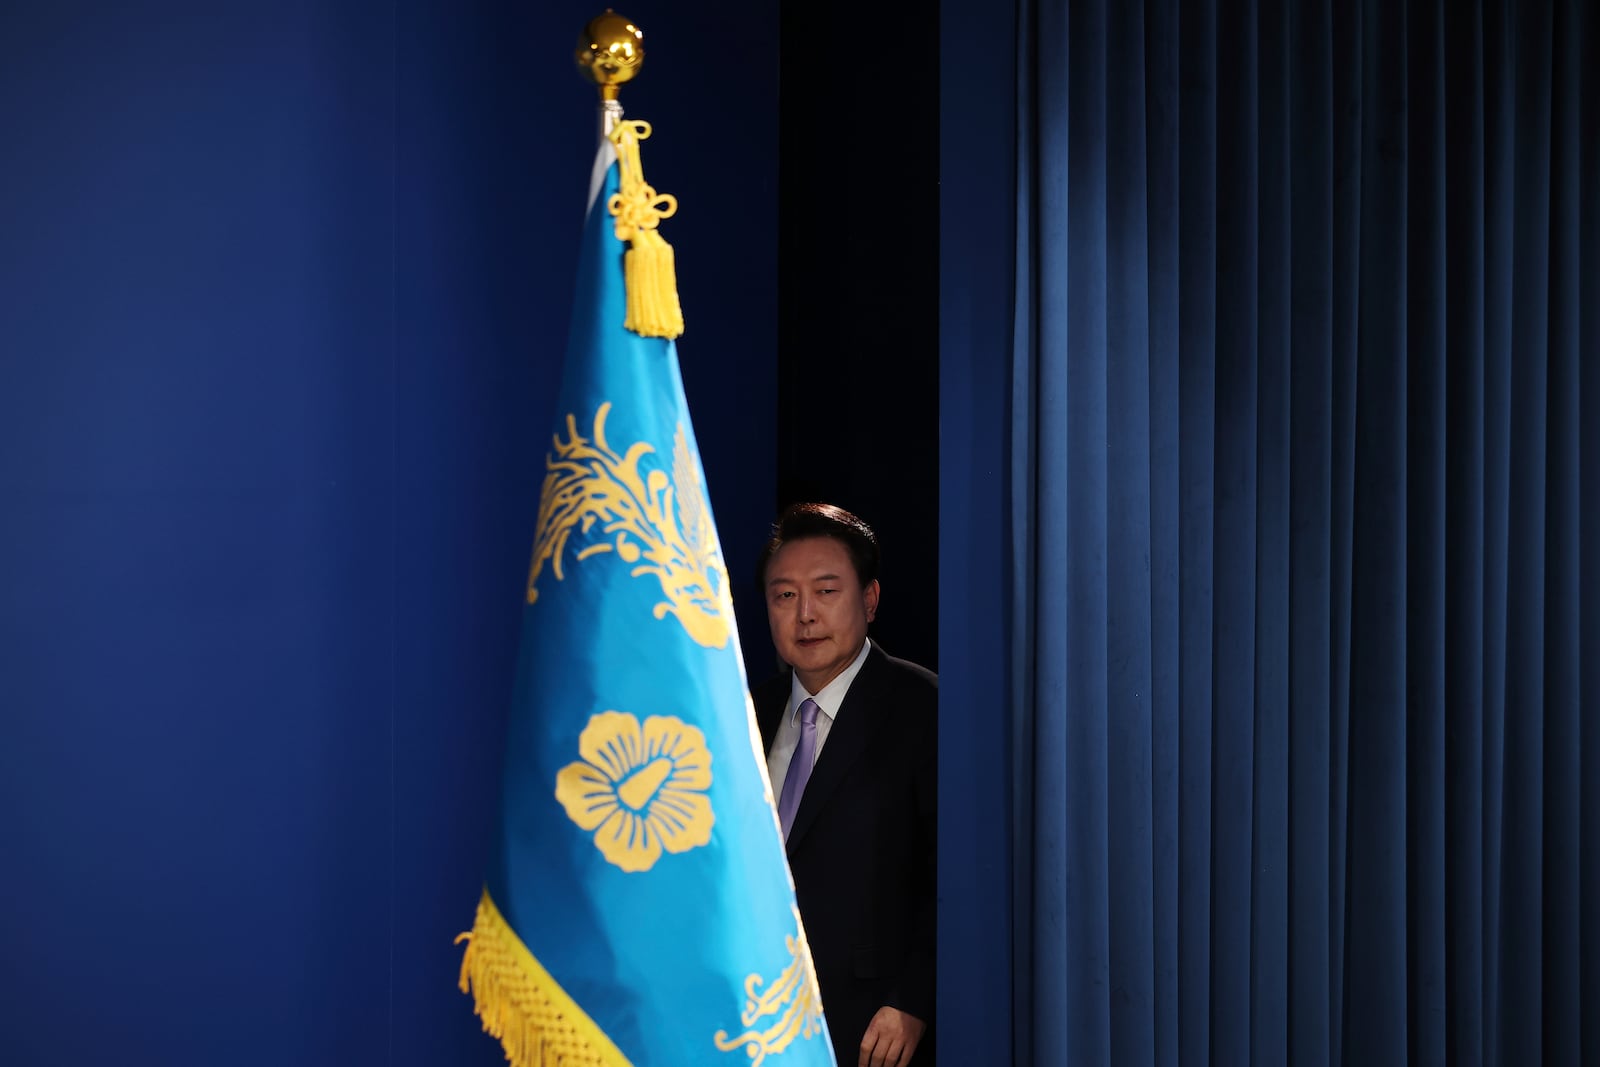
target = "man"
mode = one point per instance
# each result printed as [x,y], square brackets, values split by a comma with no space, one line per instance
[851,737]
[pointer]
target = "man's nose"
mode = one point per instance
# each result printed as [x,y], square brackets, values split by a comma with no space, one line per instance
[807,614]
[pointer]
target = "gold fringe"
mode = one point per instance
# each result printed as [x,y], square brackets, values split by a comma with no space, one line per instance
[537,1023]
[648,268]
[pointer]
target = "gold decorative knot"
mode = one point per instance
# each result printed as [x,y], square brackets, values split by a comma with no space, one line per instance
[637,206]
[650,273]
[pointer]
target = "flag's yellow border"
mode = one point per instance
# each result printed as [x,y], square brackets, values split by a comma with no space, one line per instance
[537,1023]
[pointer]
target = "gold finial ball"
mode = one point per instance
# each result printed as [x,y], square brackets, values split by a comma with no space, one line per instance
[610,51]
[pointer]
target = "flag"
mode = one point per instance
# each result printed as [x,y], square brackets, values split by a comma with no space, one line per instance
[638,909]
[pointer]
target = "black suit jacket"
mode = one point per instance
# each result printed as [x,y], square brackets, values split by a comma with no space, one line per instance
[862,848]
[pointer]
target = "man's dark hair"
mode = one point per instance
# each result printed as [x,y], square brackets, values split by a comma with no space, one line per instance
[800,522]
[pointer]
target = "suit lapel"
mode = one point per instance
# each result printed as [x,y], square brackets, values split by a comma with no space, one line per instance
[854,727]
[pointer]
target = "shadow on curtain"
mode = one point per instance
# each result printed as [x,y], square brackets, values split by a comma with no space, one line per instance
[1299,453]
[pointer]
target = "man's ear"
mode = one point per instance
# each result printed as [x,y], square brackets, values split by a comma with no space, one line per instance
[870,595]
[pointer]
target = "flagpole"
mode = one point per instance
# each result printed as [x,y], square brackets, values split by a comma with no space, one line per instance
[610,52]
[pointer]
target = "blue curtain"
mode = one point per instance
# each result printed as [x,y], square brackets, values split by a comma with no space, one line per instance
[1297,531]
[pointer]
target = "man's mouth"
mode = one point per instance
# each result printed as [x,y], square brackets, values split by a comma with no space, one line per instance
[807,642]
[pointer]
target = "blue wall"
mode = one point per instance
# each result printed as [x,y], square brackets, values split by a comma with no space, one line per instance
[282,295]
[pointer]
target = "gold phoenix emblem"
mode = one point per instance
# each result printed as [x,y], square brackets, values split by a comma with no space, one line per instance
[589,485]
[790,1008]
[639,789]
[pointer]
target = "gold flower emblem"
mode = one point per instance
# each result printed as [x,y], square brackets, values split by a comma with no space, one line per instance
[639,789]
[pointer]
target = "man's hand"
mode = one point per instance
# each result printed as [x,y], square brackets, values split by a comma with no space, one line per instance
[891,1038]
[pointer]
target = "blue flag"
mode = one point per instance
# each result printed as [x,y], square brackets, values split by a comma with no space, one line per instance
[638,909]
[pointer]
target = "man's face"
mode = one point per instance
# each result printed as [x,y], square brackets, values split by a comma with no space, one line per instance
[817,608]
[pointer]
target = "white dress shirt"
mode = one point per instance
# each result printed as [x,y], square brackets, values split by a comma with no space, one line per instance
[828,702]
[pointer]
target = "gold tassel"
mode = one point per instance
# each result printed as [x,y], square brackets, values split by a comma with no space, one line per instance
[648,267]
[521,1004]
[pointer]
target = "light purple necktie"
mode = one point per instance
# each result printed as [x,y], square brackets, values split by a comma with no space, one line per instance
[805,754]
